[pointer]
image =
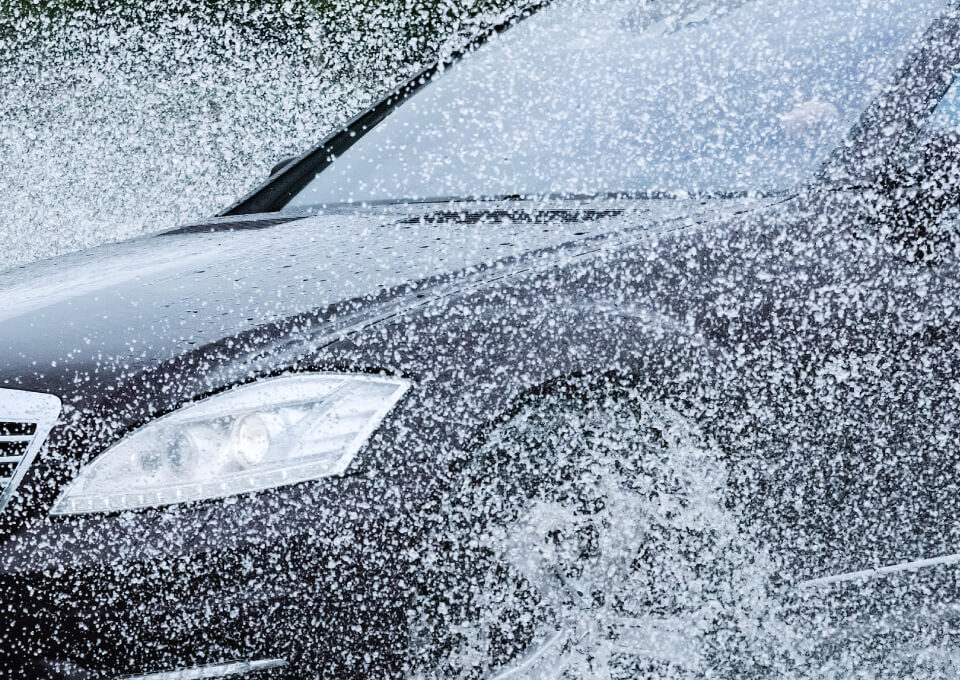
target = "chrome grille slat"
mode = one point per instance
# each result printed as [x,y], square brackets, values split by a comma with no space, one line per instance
[25,421]
[12,452]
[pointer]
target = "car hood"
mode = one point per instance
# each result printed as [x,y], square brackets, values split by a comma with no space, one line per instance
[138,303]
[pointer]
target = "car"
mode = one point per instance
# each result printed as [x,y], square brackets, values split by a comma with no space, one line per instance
[622,342]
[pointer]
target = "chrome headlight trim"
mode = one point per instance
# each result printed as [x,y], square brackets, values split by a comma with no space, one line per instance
[270,433]
[215,670]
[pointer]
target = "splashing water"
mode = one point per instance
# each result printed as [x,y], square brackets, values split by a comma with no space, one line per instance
[123,121]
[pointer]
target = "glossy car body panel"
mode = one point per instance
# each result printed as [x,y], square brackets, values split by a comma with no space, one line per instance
[799,333]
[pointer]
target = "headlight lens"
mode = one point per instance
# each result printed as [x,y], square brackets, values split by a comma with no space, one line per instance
[268,434]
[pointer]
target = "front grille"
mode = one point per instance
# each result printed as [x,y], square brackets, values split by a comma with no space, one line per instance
[25,422]
[15,440]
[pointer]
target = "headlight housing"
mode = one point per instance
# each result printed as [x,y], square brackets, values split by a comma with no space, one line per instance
[260,436]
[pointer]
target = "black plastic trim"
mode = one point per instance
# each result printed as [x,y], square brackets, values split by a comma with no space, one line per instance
[293,177]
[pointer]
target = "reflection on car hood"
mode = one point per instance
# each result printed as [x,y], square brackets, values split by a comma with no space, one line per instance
[147,300]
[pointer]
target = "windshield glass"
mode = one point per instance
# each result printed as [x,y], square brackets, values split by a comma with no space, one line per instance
[624,96]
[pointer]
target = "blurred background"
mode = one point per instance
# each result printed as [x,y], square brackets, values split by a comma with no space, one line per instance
[119,118]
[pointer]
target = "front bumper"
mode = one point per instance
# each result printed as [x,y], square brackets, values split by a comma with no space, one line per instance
[315,574]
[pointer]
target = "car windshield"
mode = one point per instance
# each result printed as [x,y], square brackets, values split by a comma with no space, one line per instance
[626,96]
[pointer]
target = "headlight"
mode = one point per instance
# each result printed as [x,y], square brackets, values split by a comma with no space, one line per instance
[275,432]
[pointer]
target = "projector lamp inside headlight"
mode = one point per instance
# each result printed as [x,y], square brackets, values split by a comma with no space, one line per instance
[268,434]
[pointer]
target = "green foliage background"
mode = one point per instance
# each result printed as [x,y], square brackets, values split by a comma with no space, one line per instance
[121,117]
[410,30]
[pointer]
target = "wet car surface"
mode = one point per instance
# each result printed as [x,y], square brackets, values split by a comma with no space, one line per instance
[719,415]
